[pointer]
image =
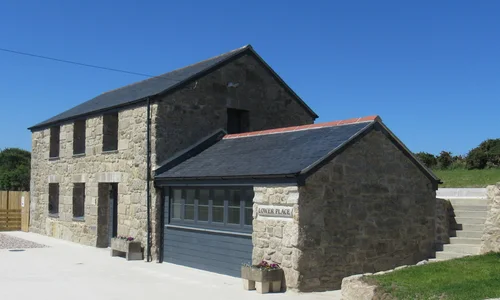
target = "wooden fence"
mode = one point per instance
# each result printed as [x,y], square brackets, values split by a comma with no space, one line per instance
[14,210]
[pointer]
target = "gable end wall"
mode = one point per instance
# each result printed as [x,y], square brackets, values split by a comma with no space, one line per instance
[369,209]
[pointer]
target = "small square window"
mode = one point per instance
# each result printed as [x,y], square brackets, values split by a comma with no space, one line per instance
[238,121]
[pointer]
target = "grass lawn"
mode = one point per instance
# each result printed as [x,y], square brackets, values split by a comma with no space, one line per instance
[467,178]
[469,278]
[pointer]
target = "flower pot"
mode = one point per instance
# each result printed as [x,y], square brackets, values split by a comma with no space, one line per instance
[262,279]
[132,249]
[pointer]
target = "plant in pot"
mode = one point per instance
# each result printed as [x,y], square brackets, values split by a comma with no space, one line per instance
[263,277]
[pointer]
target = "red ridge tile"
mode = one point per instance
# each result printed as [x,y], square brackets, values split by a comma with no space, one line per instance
[305,127]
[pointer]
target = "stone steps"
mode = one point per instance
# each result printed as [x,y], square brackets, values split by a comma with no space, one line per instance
[471,213]
[468,202]
[470,208]
[465,238]
[449,255]
[465,241]
[470,221]
[461,248]
[469,234]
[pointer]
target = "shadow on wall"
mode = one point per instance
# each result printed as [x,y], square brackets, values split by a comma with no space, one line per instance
[446,225]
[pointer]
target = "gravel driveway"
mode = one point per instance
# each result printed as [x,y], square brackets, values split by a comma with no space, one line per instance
[11,242]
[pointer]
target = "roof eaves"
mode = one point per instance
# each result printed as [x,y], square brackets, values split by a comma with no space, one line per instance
[237,53]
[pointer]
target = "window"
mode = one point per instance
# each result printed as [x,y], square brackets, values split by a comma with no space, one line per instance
[79,200]
[238,121]
[79,137]
[54,141]
[53,199]
[110,132]
[220,207]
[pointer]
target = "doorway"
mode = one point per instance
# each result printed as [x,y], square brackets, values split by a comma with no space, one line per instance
[107,219]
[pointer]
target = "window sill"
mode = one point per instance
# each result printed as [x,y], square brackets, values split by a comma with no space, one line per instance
[53,158]
[109,151]
[78,155]
[78,219]
[54,216]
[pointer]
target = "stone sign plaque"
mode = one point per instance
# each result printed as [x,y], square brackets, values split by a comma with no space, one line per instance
[275,211]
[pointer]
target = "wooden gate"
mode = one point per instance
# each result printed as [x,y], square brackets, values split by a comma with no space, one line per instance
[14,210]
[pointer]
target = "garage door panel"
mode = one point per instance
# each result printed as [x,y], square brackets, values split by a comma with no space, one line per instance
[212,253]
[191,262]
[208,242]
[207,251]
[208,246]
[192,235]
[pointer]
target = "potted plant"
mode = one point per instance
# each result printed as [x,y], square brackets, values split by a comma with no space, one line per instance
[127,245]
[264,277]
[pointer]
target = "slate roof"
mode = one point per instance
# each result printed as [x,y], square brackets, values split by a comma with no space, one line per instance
[161,84]
[271,153]
[288,152]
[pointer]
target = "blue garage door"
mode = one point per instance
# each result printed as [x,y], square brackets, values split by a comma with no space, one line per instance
[209,228]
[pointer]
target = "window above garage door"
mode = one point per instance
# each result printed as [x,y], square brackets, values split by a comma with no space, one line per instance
[228,208]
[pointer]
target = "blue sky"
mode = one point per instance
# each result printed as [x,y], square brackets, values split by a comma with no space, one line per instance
[430,69]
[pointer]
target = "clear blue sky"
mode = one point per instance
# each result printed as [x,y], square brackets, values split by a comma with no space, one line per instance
[430,69]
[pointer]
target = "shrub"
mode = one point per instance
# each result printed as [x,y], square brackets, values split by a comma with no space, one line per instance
[487,154]
[429,160]
[444,159]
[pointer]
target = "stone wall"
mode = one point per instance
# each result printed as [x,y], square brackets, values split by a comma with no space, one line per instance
[276,239]
[178,120]
[199,109]
[367,210]
[490,241]
[126,166]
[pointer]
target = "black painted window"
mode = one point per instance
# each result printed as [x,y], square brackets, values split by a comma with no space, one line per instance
[79,137]
[110,132]
[55,136]
[79,200]
[217,207]
[238,121]
[53,199]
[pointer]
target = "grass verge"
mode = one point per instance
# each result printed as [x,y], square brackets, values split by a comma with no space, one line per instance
[458,178]
[468,278]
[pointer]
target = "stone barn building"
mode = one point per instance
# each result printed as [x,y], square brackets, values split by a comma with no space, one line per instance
[219,163]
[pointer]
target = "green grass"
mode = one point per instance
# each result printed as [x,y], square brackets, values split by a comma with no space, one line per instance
[467,178]
[469,278]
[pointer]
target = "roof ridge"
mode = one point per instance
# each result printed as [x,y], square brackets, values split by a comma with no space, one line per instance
[179,69]
[374,118]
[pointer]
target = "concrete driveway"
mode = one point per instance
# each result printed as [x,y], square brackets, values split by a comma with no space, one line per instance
[66,270]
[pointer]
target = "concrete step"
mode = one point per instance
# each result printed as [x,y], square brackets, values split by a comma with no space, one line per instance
[468,234]
[469,227]
[443,255]
[470,221]
[470,214]
[470,207]
[465,201]
[465,241]
[461,248]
